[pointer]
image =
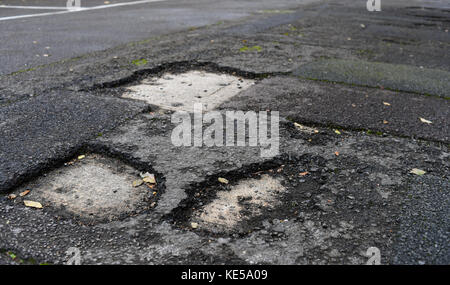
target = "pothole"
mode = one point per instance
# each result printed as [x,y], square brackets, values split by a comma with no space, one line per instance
[249,197]
[242,201]
[93,187]
[179,92]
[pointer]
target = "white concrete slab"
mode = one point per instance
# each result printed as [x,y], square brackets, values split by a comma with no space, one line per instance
[181,91]
[225,212]
[93,187]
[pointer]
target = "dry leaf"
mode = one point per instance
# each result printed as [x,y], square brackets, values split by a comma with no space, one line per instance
[386,103]
[223,180]
[194,225]
[425,121]
[385,122]
[337,132]
[81,157]
[336,153]
[24,193]
[12,196]
[150,179]
[417,171]
[305,128]
[143,175]
[303,173]
[138,183]
[32,204]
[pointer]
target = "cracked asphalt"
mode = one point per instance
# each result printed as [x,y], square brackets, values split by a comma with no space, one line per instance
[362,97]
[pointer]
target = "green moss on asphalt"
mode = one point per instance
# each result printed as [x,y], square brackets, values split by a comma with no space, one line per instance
[139,62]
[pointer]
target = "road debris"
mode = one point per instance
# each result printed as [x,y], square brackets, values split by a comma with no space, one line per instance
[417,171]
[24,193]
[138,183]
[32,204]
[223,180]
[425,121]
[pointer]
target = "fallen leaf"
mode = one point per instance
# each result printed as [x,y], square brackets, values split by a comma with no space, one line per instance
[24,193]
[223,180]
[138,183]
[303,173]
[150,179]
[337,132]
[143,175]
[32,204]
[194,225]
[425,121]
[417,171]
[80,157]
[305,128]
[336,153]
[12,196]
[385,122]
[386,103]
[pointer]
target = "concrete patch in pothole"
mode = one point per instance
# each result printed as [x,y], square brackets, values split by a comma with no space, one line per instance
[243,201]
[179,92]
[94,187]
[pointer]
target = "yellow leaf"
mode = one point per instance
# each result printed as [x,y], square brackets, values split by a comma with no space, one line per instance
[81,157]
[425,121]
[32,204]
[337,132]
[417,171]
[223,180]
[138,183]
[150,179]
[386,103]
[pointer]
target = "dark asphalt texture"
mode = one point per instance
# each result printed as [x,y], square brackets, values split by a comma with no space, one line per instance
[39,133]
[363,197]
[30,42]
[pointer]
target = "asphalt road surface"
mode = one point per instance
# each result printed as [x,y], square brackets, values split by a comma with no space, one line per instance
[53,34]
[88,160]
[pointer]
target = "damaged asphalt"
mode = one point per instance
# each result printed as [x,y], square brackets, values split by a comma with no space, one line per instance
[345,191]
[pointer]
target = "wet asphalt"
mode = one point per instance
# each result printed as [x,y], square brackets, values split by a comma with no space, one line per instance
[307,60]
[31,42]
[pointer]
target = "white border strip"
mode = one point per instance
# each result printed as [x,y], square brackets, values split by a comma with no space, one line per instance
[75,9]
